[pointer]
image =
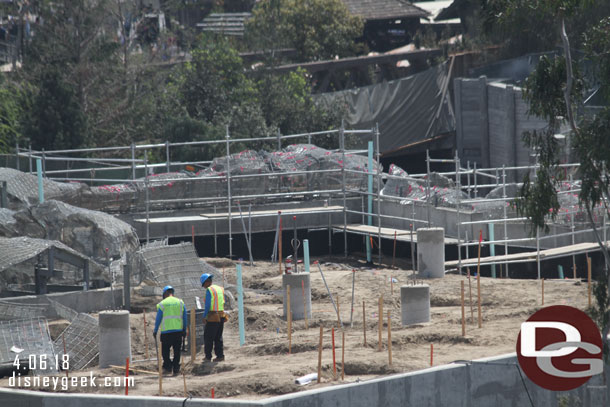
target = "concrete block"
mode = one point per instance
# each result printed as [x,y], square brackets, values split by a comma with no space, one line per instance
[297,304]
[431,252]
[415,304]
[114,338]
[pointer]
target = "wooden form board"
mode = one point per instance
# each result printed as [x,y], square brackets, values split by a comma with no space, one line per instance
[273,212]
[386,233]
[531,256]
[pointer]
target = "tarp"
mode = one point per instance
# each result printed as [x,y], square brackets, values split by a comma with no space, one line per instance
[405,109]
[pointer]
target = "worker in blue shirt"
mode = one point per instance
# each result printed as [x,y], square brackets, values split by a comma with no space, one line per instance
[214,318]
[171,317]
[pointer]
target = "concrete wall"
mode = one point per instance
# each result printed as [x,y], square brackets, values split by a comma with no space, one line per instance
[482,383]
[79,301]
[491,119]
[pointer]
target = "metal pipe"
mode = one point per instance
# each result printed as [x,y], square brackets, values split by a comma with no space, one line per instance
[476,191]
[167,162]
[40,185]
[458,182]
[504,215]
[538,251]
[133,161]
[147,197]
[243,224]
[229,192]
[342,147]
[215,235]
[295,245]
[428,185]
[329,294]
[30,156]
[378,151]
[369,219]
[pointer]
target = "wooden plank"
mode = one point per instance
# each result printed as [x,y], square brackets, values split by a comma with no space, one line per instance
[273,212]
[386,233]
[531,256]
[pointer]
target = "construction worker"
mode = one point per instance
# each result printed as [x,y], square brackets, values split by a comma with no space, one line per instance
[214,318]
[171,316]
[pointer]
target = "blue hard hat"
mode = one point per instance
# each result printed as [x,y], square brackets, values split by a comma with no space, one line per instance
[167,288]
[204,277]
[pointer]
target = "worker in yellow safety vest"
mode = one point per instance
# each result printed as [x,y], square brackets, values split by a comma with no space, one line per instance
[214,318]
[171,317]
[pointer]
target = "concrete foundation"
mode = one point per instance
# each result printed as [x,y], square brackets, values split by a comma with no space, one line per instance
[114,338]
[431,252]
[415,304]
[297,305]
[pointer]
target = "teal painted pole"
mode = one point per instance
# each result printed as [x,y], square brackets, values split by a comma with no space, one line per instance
[560,271]
[370,202]
[240,305]
[492,249]
[306,254]
[39,172]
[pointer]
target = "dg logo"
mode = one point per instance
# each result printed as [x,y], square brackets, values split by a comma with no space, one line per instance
[560,348]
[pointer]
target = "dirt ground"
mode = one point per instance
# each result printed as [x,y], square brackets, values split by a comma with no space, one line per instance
[263,366]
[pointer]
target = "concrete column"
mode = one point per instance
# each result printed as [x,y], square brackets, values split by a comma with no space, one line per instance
[296,295]
[415,304]
[431,252]
[114,338]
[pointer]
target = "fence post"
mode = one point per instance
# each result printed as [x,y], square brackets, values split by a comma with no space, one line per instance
[229,190]
[167,165]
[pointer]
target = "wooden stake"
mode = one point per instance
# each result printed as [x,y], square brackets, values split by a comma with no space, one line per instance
[145,337]
[193,337]
[334,360]
[342,355]
[304,304]
[463,311]
[380,321]
[479,278]
[431,354]
[364,322]
[391,284]
[126,376]
[212,392]
[193,234]
[186,394]
[394,251]
[389,339]
[338,313]
[320,356]
[470,296]
[160,368]
[289,317]
[542,281]
[589,279]
[63,338]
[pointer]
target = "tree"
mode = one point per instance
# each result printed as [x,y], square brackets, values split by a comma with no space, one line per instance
[10,114]
[317,29]
[554,91]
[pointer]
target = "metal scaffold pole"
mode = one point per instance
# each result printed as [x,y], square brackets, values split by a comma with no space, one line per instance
[458,188]
[428,186]
[378,189]
[342,147]
[229,192]
[504,216]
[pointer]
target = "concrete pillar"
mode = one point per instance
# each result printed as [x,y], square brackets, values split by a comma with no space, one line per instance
[114,338]
[415,304]
[296,295]
[431,252]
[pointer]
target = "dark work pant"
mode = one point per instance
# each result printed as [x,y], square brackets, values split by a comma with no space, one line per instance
[212,338]
[171,340]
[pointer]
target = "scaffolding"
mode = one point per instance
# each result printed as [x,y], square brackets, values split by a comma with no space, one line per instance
[287,174]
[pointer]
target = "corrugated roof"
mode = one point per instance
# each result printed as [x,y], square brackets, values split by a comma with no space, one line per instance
[383,9]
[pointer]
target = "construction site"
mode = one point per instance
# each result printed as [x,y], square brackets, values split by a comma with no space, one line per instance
[346,283]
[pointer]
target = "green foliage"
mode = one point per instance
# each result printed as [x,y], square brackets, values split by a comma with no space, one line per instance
[10,113]
[317,29]
[597,46]
[544,89]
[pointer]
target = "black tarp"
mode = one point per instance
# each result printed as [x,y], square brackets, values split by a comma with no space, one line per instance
[406,109]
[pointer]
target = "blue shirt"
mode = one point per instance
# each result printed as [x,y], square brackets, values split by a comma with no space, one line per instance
[208,302]
[160,318]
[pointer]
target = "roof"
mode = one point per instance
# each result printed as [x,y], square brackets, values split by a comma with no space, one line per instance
[384,9]
[225,23]
[435,8]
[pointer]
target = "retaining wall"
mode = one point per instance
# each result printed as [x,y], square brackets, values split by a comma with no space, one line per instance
[481,383]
